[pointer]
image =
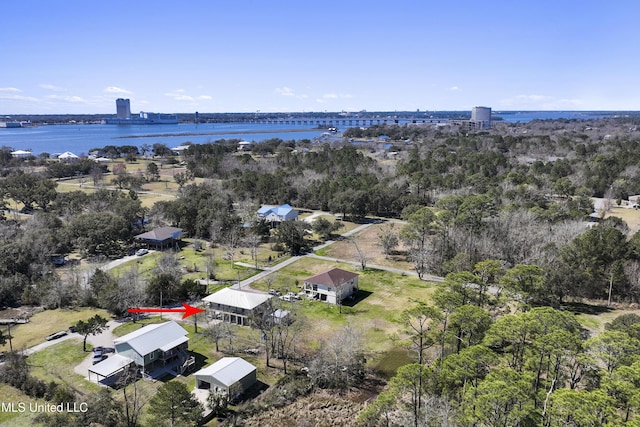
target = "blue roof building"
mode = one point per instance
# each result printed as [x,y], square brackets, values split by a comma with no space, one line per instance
[277,213]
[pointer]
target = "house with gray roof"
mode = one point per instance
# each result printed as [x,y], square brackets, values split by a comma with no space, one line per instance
[230,375]
[234,305]
[154,345]
[160,347]
[160,238]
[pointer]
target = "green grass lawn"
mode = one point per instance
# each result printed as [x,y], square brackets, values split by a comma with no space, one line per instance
[46,323]
[194,263]
[376,311]
[16,419]
[56,363]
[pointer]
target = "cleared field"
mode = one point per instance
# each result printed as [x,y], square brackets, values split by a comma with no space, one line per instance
[369,243]
[595,322]
[630,216]
[46,323]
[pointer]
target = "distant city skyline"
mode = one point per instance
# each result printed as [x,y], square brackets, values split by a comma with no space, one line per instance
[75,57]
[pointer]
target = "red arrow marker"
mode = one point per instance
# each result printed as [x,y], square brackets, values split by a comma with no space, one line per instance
[187,310]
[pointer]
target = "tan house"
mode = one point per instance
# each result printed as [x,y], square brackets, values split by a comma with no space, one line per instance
[331,285]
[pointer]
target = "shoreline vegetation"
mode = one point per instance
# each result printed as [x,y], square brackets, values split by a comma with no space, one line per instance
[235,132]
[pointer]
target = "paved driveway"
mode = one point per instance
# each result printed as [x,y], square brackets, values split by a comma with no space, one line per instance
[104,339]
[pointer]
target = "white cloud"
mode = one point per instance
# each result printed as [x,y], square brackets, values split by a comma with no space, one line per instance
[284,91]
[331,95]
[10,89]
[454,88]
[52,87]
[118,90]
[181,95]
[72,99]
[287,91]
[15,97]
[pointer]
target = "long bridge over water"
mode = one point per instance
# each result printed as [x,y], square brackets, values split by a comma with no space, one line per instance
[339,121]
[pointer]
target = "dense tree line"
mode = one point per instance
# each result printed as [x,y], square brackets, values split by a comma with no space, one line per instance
[537,366]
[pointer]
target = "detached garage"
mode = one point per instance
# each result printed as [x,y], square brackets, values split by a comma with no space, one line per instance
[228,373]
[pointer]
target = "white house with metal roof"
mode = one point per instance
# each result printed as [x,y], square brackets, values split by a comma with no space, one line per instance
[277,213]
[229,375]
[68,156]
[154,345]
[234,305]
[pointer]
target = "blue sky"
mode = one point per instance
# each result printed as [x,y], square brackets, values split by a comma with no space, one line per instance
[72,56]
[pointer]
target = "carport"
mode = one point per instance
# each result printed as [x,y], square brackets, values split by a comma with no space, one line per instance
[107,372]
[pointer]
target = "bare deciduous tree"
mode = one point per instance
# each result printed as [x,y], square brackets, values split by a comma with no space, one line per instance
[339,362]
[388,238]
[253,241]
[361,255]
[133,399]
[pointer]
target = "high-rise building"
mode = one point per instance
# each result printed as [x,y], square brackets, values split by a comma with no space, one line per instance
[123,108]
[481,117]
[123,116]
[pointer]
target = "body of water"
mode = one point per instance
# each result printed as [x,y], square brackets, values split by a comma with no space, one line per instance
[527,116]
[79,139]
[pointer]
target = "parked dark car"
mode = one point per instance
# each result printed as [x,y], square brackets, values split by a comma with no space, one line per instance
[98,357]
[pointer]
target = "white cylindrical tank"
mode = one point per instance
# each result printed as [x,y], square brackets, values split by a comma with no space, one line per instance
[481,114]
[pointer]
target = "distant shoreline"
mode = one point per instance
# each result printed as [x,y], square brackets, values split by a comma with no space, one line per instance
[237,132]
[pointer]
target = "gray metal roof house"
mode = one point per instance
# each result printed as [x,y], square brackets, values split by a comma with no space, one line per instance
[154,346]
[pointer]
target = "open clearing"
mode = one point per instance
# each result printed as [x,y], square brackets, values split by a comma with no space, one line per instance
[46,323]
[369,243]
[628,215]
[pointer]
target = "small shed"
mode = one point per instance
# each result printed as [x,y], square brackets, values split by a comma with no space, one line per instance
[230,374]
